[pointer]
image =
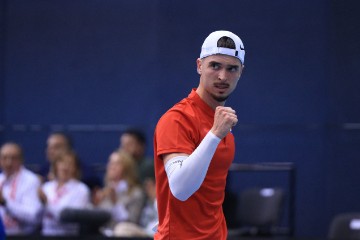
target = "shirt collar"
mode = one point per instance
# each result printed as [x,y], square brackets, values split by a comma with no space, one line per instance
[201,103]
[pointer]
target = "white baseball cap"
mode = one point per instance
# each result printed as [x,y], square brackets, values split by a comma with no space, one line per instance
[210,47]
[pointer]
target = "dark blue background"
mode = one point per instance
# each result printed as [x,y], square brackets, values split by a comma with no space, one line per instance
[93,67]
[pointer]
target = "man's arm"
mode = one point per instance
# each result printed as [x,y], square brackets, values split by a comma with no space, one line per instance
[29,207]
[187,172]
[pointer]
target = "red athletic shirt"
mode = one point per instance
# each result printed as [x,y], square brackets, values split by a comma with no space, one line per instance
[180,130]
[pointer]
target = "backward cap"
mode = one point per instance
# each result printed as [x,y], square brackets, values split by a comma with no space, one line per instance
[210,47]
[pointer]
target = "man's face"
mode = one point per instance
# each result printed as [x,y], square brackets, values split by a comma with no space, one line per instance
[56,146]
[129,144]
[219,75]
[10,159]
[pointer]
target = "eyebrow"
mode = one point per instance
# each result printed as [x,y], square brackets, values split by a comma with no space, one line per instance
[214,62]
[229,65]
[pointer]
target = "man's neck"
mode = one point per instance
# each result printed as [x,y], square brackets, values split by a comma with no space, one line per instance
[12,174]
[208,99]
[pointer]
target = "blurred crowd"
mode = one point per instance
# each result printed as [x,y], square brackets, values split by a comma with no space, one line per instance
[35,202]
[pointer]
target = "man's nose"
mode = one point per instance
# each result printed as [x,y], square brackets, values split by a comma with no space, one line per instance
[7,161]
[223,75]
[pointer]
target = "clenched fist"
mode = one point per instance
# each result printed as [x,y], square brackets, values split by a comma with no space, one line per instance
[225,118]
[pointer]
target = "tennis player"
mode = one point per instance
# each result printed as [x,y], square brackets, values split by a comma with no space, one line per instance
[194,146]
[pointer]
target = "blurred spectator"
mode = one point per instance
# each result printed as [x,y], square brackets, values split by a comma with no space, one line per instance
[57,144]
[148,217]
[65,191]
[121,195]
[133,141]
[20,206]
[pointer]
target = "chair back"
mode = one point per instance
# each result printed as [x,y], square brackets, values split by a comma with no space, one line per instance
[89,220]
[260,207]
[345,226]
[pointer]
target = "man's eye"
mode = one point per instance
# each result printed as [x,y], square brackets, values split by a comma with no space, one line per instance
[215,65]
[233,69]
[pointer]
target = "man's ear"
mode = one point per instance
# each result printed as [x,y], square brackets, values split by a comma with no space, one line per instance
[198,65]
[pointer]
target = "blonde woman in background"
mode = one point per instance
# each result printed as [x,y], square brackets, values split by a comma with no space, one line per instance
[148,218]
[65,191]
[122,195]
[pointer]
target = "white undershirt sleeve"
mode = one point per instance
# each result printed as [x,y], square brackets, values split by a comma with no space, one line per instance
[186,173]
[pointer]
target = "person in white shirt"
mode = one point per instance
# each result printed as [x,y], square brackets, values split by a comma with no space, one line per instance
[65,191]
[20,206]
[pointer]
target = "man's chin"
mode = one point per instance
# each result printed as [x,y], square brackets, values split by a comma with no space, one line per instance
[220,98]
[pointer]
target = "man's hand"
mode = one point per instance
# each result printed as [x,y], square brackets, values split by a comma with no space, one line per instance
[42,196]
[2,199]
[225,118]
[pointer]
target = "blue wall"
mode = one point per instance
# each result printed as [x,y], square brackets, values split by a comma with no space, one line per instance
[2,64]
[94,67]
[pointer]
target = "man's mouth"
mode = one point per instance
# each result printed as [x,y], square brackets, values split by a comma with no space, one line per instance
[221,86]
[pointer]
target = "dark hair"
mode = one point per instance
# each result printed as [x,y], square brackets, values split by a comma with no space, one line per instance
[226,42]
[66,136]
[137,133]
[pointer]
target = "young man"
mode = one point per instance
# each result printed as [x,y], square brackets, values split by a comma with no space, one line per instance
[57,144]
[194,147]
[133,141]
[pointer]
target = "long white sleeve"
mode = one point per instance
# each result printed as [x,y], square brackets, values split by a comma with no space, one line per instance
[186,173]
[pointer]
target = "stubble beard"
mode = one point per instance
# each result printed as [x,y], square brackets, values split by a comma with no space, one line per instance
[219,99]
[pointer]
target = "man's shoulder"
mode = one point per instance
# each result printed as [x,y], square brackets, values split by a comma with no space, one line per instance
[30,174]
[147,163]
[147,160]
[183,109]
[184,104]
[29,178]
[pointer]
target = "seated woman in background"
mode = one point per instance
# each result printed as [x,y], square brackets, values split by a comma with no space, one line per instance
[122,196]
[148,218]
[65,191]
